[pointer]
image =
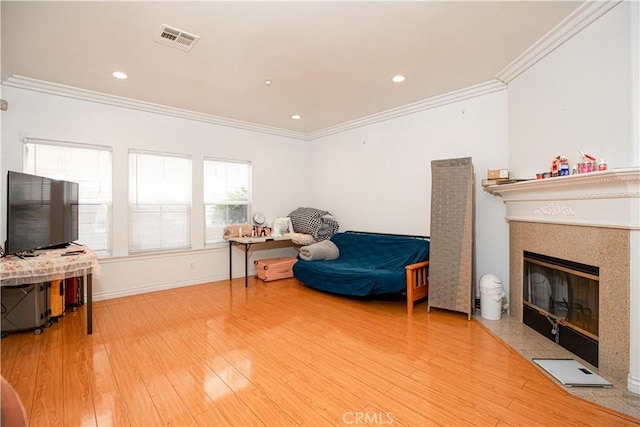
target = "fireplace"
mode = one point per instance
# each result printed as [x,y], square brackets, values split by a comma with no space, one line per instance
[592,220]
[560,301]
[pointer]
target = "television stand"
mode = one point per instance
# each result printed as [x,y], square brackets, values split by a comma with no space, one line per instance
[58,246]
[52,265]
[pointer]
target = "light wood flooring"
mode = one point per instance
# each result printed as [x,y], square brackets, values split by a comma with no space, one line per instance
[279,354]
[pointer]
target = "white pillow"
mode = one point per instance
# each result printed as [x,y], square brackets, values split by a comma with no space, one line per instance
[302,239]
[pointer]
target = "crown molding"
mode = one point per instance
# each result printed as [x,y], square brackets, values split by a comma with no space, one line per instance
[27,83]
[426,104]
[581,18]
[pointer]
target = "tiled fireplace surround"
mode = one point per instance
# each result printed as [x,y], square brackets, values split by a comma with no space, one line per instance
[592,219]
[607,248]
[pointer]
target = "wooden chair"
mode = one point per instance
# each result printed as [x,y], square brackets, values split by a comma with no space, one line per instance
[417,283]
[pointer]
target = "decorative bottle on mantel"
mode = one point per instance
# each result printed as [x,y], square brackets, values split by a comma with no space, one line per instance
[564,166]
[602,165]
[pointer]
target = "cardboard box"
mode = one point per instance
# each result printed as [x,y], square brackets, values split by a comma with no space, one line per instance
[498,174]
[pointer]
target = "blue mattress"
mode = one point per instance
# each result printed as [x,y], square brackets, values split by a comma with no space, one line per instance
[369,264]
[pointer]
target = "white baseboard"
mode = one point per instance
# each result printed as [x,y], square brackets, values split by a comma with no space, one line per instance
[100,296]
[633,384]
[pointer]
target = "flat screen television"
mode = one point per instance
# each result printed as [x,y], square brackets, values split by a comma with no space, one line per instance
[41,212]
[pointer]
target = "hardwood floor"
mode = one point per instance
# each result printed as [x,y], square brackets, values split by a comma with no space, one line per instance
[279,354]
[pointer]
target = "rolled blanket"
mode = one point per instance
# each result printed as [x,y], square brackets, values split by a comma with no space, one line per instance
[321,251]
[318,223]
[328,227]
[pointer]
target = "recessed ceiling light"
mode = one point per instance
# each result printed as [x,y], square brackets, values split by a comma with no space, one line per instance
[399,78]
[119,75]
[296,117]
[268,82]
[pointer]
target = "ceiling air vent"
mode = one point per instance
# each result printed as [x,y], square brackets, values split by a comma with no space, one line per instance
[174,37]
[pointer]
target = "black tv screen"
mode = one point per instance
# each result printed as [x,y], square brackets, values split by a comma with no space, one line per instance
[41,212]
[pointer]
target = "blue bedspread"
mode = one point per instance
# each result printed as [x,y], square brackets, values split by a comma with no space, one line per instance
[369,264]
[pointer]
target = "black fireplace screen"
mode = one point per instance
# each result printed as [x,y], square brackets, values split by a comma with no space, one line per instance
[564,291]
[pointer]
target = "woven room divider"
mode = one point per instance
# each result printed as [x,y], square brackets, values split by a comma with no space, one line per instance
[451,242]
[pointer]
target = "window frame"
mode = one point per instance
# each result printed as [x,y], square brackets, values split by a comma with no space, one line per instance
[205,202]
[188,204]
[108,233]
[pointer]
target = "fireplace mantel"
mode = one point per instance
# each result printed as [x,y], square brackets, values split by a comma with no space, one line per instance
[599,199]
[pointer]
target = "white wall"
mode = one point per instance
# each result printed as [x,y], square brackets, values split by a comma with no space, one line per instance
[576,98]
[378,177]
[280,178]
[375,178]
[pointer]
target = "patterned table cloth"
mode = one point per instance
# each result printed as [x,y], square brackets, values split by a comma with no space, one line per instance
[48,265]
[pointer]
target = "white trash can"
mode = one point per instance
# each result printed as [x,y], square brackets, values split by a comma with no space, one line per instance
[491,295]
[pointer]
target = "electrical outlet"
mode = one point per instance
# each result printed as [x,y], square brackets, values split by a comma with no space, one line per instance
[192,266]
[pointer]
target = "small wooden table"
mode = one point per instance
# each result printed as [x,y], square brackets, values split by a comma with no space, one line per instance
[247,242]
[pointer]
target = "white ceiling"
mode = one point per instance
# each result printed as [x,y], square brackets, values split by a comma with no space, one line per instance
[330,62]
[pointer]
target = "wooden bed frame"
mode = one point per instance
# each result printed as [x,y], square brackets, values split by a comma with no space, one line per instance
[417,283]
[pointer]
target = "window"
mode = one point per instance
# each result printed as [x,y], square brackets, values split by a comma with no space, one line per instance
[90,167]
[227,196]
[159,202]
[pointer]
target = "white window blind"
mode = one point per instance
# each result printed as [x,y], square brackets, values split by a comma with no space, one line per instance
[227,196]
[89,166]
[159,202]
